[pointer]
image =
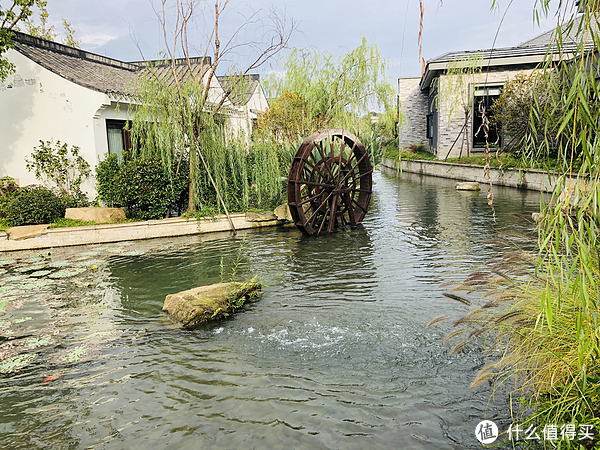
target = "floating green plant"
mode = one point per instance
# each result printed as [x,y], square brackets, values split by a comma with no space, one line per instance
[34,268]
[35,284]
[21,320]
[16,363]
[76,354]
[3,305]
[67,273]
[40,273]
[6,262]
[33,342]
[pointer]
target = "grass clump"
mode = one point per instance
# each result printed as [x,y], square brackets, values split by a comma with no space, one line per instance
[64,223]
[414,152]
[541,317]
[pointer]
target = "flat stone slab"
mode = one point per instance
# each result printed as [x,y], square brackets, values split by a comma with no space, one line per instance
[27,232]
[206,303]
[468,186]
[98,215]
[260,217]
[282,212]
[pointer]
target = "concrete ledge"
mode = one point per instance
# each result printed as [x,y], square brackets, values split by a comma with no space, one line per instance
[97,234]
[533,179]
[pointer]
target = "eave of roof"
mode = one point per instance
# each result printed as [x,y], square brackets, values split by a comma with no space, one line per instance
[508,56]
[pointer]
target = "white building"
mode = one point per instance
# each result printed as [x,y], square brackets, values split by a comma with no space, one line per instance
[65,94]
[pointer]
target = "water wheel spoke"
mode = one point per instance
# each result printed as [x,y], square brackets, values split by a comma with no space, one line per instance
[310,199]
[365,155]
[332,214]
[368,191]
[342,148]
[325,160]
[311,220]
[312,183]
[348,202]
[359,205]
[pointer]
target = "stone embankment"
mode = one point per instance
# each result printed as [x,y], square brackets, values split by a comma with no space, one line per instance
[533,179]
[42,236]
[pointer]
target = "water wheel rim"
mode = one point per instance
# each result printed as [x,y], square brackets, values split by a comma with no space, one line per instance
[329,185]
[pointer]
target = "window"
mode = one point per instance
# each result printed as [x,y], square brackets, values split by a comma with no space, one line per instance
[430,126]
[485,96]
[119,139]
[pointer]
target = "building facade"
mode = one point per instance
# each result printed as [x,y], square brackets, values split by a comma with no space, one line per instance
[80,98]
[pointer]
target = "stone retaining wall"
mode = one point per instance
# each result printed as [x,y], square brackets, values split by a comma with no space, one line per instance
[537,180]
[96,234]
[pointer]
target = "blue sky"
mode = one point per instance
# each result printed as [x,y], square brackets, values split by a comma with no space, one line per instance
[126,29]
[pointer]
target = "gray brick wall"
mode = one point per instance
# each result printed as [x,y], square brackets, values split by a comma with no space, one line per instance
[413,112]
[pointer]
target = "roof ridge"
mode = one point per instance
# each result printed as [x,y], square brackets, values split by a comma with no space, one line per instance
[27,39]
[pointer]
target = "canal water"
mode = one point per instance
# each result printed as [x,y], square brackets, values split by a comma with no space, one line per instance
[335,355]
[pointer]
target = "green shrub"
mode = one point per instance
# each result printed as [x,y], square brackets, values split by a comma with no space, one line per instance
[143,185]
[35,205]
[8,191]
[146,189]
[59,167]
[107,174]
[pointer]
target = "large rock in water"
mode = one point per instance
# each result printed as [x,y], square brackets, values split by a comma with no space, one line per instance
[204,303]
[468,186]
[93,214]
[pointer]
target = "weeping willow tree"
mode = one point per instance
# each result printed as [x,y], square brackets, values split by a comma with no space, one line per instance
[545,327]
[185,115]
[455,95]
[326,90]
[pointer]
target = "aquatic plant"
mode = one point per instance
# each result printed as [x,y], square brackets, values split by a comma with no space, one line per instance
[16,363]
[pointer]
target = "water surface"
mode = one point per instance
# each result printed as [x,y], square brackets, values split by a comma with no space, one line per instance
[335,355]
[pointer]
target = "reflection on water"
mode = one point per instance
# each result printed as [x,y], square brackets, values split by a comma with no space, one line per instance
[336,354]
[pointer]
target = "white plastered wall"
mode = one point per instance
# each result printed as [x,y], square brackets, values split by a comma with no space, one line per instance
[37,104]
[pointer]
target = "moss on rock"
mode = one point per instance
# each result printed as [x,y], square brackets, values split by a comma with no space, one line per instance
[205,303]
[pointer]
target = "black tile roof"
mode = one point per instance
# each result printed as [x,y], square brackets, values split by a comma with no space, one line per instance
[95,71]
[239,95]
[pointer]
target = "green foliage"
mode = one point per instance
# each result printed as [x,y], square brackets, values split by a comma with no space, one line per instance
[35,205]
[174,124]
[143,185]
[512,110]
[8,190]
[546,326]
[69,35]
[59,166]
[42,30]
[288,118]
[147,190]
[414,152]
[334,91]
[18,11]
[66,223]
[107,173]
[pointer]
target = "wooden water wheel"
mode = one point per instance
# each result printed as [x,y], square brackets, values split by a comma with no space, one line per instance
[330,183]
